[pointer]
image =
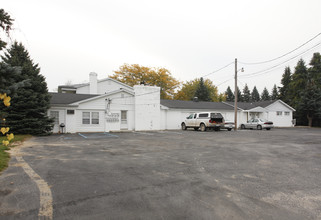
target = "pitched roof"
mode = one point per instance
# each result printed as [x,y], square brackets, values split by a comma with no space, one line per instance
[250,105]
[68,98]
[179,104]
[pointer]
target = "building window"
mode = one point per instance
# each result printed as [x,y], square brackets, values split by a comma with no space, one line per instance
[86,117]
[55,116]
[123,117]
[90,118]
[95,118]
[287,113]
[70,112]
[279,113]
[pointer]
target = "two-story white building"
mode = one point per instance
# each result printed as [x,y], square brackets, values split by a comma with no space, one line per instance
[109,105]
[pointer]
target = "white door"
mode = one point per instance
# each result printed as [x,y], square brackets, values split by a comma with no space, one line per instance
[123,120]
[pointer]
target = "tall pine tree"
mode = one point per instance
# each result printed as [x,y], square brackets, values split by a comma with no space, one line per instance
[285,93]
[229,94]
[28,111]
[265,95]
[246,94]
[255,95]
[202,92]
[275,93]
[298,83]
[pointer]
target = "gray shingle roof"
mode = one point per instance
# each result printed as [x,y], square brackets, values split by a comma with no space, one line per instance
[179,104]
[250,105]
[67,98]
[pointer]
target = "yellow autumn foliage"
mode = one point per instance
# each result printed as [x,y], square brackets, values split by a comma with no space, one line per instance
[135,74]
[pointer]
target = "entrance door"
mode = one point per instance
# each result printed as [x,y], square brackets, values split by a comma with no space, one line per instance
[123,120]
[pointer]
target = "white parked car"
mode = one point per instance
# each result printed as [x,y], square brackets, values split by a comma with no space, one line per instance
[229,125]
[204,121]
[258,123]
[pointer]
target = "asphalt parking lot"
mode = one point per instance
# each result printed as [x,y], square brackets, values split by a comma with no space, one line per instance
[166,175]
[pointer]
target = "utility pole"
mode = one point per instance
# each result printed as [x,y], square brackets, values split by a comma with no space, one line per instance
[235,95]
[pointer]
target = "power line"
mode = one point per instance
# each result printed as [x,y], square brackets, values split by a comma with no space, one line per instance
[218,69]
[267,61]
[277,65]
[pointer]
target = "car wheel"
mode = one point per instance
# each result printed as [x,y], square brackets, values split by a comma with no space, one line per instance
[196,129]
[242,126]
[229,129]
[184,126]
[259,127]
[268,129]
[203,127]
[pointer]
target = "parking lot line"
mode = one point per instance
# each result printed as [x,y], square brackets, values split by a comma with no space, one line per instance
[169,132]
[82,135]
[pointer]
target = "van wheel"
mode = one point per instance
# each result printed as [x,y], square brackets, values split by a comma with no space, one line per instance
[203,127]
[242,126]
[259,127]
[184,126]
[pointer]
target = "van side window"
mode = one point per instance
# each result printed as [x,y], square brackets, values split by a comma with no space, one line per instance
[195,115]
[203,115]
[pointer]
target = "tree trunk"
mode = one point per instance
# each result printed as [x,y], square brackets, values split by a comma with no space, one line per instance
[309,120]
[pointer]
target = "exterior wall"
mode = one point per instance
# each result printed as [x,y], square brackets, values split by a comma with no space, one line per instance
[280,120]
[109,86]
[147,108]
[173,118]
[83,90]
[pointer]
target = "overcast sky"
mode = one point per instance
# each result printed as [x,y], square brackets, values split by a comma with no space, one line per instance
[69,39]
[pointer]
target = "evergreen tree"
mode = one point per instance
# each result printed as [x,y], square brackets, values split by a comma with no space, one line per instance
[265,95]
[255,95]
[202,92]
[5,25]
[285,94]
[275,93]
[229,94]
[309,105]
[298,83]
[246,94]
[315,69]
[28,111]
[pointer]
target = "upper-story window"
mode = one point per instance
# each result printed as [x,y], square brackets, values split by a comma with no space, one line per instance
[279,113]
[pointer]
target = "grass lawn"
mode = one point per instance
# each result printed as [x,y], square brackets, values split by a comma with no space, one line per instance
[4,156]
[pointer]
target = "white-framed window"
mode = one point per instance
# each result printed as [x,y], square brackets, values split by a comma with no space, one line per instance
[279,113]
[90,118]
[287,113]
[123,117]
[95,118]
[86,118]
[55,116]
